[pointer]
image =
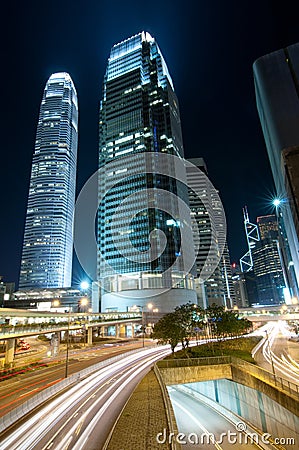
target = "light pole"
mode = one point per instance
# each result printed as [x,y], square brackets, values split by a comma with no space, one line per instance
[82,305]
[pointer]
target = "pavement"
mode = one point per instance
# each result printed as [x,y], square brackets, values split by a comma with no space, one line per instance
[142,419]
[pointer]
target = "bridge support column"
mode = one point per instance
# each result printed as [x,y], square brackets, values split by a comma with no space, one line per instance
[117,331]
[55,341]
[122,330]
[102,331]
[89,335]
[10,351]
[132,330]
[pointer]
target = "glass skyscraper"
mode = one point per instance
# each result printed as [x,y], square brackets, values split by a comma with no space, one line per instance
[267,263]
[48,238]
[139,127]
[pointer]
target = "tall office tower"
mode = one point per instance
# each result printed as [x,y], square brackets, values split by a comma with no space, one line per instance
[48,239]
[139,128]
[267,263]
[276,77]
[207,212]
[229,291]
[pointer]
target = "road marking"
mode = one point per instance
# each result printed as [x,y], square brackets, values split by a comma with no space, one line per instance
[29,392]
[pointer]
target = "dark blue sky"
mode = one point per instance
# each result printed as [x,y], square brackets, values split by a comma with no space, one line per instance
[209,48]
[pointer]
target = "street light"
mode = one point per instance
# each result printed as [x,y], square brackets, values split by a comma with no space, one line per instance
[84,285]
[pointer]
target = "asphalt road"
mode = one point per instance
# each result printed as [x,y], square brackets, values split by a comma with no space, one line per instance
[16,390]
[196,420]
[279,354]
[82,417]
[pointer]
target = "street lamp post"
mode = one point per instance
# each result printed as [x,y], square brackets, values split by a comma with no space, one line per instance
[67,345]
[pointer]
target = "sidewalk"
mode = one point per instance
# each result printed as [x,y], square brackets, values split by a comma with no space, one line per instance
[142,419]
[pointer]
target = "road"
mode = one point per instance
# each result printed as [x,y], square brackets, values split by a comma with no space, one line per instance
[205,427]
[17,389]
[278,353]
[81,418]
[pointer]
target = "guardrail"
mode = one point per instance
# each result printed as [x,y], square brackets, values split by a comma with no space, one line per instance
[18,413]
[267,377]
[9,332]
[168,363]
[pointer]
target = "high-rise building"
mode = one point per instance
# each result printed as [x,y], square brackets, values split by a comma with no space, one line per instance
[212,267]
[276,77]
[48,238]
[267,263]
[139,124]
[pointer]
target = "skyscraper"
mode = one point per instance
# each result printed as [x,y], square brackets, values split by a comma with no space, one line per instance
[212,276]
[48,238]
[139,189]
[267,263]
[276,78]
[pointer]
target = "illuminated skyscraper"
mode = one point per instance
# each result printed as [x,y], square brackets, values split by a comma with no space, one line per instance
[139,125]
[267,263]
[48,238]
[213,273]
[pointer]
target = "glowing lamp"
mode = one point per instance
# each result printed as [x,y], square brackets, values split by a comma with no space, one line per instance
[84,285]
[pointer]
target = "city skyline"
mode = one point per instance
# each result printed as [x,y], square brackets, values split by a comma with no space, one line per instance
[238,131]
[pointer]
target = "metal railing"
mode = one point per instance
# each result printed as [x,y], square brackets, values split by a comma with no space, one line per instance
[207,361]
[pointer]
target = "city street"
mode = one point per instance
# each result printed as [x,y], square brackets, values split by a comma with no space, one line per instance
[278,352]
[15,390]
[76,418]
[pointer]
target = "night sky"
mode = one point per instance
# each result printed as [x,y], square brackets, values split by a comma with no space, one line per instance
[209,47]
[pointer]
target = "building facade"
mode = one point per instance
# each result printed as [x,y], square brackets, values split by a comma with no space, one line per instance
[48,238]
[139,127]
[268,269]
[213,279]
[276,78]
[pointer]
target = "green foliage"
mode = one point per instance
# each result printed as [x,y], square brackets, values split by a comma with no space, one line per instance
[168,331]
[239,348]
[189,320]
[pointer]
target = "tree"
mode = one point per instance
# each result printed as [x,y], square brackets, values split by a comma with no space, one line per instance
[189,317]
[168,331]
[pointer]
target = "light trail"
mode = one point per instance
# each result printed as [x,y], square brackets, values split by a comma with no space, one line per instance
[62,420]
[283,363]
